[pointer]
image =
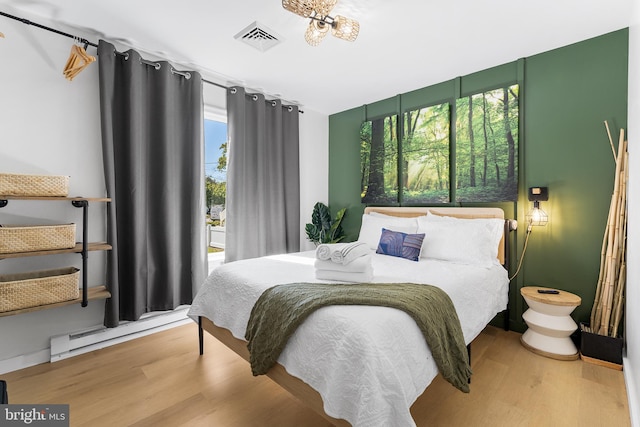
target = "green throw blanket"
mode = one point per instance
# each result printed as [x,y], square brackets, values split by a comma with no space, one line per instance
[281,309]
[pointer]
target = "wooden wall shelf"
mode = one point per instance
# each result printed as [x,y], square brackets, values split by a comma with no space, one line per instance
[95,246]
[97,292]
[82,248]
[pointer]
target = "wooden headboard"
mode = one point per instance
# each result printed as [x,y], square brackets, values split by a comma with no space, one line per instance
[467,213]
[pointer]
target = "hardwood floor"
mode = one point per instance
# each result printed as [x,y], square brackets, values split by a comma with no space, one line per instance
[160,380]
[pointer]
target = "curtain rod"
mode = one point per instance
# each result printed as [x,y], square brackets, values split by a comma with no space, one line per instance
[82,40]
[53,30]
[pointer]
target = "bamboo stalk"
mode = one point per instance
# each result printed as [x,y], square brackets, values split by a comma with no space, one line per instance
[615,156]
[610,288]
[607,289]
[617,313]
[599,301]
[596,311]
[622,277]
[594,321]
[607,300]
[622,218]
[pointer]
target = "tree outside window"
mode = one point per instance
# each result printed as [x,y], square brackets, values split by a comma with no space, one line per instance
[215,135]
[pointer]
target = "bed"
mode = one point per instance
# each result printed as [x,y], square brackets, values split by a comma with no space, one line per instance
[365,365]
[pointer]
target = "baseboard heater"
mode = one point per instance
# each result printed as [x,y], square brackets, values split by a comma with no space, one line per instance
[65,346]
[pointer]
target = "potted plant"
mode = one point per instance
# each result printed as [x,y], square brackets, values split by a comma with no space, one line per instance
[322,228]
[600,340]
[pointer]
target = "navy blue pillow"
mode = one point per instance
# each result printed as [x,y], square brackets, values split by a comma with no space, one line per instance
[396,243]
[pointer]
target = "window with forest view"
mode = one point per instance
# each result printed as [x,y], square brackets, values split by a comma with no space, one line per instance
[418,169]
[425,155]
[487,146]
[379,160]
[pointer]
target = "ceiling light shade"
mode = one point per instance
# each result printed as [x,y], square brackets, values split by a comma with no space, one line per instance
[318,11]
[316,32]
[323,7]
[303,8]
[345,28]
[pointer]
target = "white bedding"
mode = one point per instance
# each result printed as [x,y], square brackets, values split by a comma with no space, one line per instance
[369,364]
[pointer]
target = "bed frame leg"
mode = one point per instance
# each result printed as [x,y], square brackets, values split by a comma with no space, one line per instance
[469,354]
[200,335]
[506,318]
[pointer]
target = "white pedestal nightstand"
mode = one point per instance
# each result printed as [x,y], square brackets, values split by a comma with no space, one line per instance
[549,323]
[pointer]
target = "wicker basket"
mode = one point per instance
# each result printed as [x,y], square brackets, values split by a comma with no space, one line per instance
[29,238]
[12,184]
[24,290]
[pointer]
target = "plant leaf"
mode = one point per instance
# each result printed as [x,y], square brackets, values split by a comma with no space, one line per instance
[335,232]
[312,233]
[321,217]
[322,228]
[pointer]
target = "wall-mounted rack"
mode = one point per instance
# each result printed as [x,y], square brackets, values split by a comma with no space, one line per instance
[84,247]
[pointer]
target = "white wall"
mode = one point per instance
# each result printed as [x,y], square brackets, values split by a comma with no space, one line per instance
[314,167]
[632,330]
[49,125]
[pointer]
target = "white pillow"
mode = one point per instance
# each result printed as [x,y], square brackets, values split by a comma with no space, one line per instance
[372,225]
[463,241]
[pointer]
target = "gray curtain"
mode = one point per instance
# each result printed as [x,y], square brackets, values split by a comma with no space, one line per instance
[153,150]
[263,178]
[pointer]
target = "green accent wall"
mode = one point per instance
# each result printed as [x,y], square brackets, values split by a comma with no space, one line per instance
[566,95]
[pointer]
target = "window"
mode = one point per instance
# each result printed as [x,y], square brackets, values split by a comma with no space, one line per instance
[487,146]
[379,160]
[215,167]
[425,155]
[432,164]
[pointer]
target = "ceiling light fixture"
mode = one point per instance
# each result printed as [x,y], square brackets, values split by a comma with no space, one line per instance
[318,11]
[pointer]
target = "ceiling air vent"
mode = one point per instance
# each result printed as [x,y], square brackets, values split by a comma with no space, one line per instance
[258,36]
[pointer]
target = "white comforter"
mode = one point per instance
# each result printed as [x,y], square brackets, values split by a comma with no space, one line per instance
[369,364]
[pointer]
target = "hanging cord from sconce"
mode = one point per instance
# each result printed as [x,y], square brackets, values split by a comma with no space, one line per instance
[524,249]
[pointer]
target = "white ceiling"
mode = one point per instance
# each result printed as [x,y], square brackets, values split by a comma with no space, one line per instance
[403,45]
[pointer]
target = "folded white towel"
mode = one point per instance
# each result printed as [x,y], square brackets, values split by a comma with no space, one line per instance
[350,252]
[325,250]
[359,265]
[342,276]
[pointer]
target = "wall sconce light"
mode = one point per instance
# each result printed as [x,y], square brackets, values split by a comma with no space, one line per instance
[536,216]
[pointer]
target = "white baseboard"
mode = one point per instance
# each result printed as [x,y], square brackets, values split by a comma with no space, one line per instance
[24,361]
[66,346]
[633,391]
